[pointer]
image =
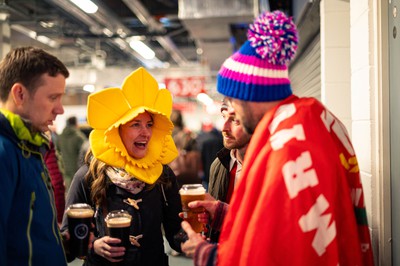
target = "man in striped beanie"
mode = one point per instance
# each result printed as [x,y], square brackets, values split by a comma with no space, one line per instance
[300,199]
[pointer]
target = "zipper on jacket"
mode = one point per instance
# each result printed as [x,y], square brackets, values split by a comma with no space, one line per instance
[26,152]
[165,198]
[56,231]
[54,226]
[28,231]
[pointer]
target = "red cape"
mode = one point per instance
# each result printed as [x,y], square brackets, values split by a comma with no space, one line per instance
[300,199]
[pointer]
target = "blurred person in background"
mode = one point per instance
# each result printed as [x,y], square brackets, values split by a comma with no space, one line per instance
[210,142]
[32,83]
[70,142]
[131,145]
[85,145]
[300,191]
[187,165]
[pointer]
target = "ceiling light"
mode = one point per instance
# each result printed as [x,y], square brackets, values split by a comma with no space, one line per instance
[4,16]
[152,63]
[121,33]
[47,41]
[89,88]
[121,43]
[107,32]
[86,5]
[47,24]
[205,99]
[80,41]
[32,34]
[142,49]
[24,30]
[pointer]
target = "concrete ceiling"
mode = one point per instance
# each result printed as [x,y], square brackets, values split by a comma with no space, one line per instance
[100,39]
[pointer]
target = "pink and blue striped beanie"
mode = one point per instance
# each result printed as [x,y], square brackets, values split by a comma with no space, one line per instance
[258,72]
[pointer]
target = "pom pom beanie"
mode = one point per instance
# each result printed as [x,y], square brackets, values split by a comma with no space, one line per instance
[259,70]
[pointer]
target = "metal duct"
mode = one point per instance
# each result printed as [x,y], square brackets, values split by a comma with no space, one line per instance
[79,14]
[143,15]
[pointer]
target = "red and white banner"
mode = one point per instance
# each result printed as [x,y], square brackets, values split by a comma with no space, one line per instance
[186,86]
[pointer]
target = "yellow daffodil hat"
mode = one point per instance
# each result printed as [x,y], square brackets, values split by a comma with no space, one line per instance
[112,107]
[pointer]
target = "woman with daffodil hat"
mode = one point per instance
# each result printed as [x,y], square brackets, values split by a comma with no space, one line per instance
[126,169]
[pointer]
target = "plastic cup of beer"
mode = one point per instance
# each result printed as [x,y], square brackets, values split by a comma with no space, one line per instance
[79,222]
[118,224]
[189,193]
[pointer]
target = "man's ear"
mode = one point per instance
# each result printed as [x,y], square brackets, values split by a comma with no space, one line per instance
[18,93]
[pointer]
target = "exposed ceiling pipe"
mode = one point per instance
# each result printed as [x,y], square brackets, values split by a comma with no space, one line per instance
[171,48]
[6,9]
[79,14]
[102,16]
[143,15]
[114,25]
[108,21]
[166,42]
[123,45]
[105,17]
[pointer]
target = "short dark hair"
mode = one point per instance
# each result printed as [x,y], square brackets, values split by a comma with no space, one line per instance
[72,121]
[26,65]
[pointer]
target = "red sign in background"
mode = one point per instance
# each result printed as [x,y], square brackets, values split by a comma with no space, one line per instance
[186,86]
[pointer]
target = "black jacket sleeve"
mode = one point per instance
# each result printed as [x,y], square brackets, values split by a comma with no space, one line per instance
[172,208]
[77,193]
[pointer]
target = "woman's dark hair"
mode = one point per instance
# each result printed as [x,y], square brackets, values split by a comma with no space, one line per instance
[97,179]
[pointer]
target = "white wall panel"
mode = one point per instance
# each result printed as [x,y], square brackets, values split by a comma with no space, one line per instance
[305,75]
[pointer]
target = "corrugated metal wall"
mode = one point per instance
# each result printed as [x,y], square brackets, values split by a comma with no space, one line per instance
[305,74]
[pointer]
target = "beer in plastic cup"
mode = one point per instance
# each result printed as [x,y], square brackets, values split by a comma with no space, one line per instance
[189,193]
[118,224]
[79,222]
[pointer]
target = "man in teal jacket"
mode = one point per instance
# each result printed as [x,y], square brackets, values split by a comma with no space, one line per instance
[32,83]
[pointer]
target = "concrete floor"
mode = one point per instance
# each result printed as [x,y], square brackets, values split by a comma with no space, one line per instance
[180,260]
[173,261]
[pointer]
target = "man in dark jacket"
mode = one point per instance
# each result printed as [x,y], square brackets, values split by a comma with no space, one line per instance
[226,168]
[209,142]
[32,83]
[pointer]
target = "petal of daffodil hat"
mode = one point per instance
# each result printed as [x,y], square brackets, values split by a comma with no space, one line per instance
[112,107]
